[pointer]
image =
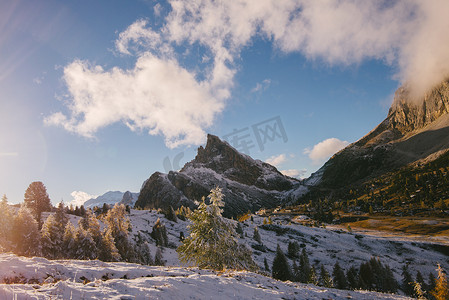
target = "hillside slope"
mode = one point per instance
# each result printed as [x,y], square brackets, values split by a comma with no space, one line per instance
[414,131]
[72,279]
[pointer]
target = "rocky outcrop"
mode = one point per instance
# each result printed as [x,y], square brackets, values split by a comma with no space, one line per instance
[247,184]
[414,130]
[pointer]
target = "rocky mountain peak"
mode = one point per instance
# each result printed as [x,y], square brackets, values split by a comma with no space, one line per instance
[413,131]
[248,184]
[406,115]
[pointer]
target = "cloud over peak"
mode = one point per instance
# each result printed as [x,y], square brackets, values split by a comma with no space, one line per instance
[325,149]
[163,95]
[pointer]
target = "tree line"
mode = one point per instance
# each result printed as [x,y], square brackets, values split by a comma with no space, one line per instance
[372,275]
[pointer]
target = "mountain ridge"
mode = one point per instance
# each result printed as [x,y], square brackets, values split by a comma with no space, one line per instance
[248,184]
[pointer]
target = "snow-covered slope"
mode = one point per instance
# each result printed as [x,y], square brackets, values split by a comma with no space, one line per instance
[324,246]
[111,198]
[72,279]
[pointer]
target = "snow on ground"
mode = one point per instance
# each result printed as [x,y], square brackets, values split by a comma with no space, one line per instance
[73,279]
[70,279]
[327,246]
[323,245]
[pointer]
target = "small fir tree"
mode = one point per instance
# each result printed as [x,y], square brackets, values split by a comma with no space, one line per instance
[68,241]
[304,267]
[352,278]
[339,277]
[256,235]
[325,278]
[159,233]
[212,242]
[25,233]
[265,264]
[158,258]
[6,223]
[293,249]
[118,225]
[51,238]
[280,268]
[407,282]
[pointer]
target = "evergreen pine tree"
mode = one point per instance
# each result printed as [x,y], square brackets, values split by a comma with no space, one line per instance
[339,277]
[407,282]
[256,235]
[432,282]
[118,225]
[293,249]
[352,278]
[107,250]
[304,267]
[325,278]
[143,252]
[265,264]
[158,258]
[441,291]
[25,233]
[212,242]
[6,223]
[365,277]
[313,276]
[36,199]
[51,238]
[159,233]
[69,242]
[85,247]
[280,269]
[171,215]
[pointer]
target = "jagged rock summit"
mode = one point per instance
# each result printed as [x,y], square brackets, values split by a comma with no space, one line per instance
[415,131]
[248,184]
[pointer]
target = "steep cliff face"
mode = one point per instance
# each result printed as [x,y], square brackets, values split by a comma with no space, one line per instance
[247,184]
[414,130]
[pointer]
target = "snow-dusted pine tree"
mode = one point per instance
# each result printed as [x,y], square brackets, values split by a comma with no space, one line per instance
[256,235]
[158,258]
[25,233]
[85,244]
[212,242]
[51,238]
[118,224]
[107,250]
[68,241]
[6,221]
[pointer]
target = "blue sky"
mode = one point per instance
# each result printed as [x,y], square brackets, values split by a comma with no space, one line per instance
[95,95]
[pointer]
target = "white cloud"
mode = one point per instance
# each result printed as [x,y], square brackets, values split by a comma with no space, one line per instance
[157,95]
[411,35]
[261,86]
[291,173]
[157,9]
[325,149]
[276,160]
[79,198]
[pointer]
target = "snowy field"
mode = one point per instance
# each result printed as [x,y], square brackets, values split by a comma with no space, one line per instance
[74,279]
[323,245]
[39,278]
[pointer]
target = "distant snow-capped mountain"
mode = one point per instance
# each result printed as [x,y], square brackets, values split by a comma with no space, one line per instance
[113,197]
